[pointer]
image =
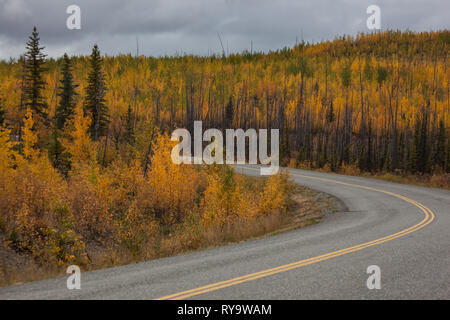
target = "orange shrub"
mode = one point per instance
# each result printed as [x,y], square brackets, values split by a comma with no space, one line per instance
[276,194]
[172,189]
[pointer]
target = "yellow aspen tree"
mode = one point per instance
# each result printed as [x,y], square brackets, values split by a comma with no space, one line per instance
[81,148]
[29,137]
[7,155]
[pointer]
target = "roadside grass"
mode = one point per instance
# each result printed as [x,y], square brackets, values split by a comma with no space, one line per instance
[430,181]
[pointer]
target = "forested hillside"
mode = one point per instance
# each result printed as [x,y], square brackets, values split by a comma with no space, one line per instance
[378,102]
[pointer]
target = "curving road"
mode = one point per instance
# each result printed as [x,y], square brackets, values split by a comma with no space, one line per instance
[403,229]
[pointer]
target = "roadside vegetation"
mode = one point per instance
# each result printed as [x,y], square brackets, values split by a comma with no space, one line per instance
[436,180]
[96,217]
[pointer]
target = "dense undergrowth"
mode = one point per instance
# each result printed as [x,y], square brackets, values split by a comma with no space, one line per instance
[101,216]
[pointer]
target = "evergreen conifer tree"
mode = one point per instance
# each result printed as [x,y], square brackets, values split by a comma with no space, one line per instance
[129,134]
[94,102]
[66,107]
[34,69]
[57,154]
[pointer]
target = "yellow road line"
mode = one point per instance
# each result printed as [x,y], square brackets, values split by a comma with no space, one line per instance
[429,217]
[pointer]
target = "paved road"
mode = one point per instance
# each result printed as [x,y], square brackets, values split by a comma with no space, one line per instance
[403,229]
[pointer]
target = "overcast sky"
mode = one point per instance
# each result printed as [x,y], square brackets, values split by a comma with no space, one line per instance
[191,26]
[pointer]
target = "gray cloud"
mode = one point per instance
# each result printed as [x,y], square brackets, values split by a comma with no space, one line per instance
[191,26]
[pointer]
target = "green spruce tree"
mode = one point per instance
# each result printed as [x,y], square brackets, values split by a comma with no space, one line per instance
[67,94]
[94,102]
[57,154]
[229,113]
[34,68]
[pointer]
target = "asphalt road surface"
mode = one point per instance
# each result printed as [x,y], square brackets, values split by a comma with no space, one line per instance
[402,229]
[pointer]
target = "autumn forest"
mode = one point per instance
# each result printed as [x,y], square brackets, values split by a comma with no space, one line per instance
[85,170]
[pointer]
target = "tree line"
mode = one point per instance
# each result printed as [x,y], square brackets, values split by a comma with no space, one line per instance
[378,102]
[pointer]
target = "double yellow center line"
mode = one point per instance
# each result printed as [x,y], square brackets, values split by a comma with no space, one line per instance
[429,217]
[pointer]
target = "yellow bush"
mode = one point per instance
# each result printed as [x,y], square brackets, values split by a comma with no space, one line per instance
[136,230]
[88,204]
[172,188]
[276,194]
[226,198]
[8,156]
